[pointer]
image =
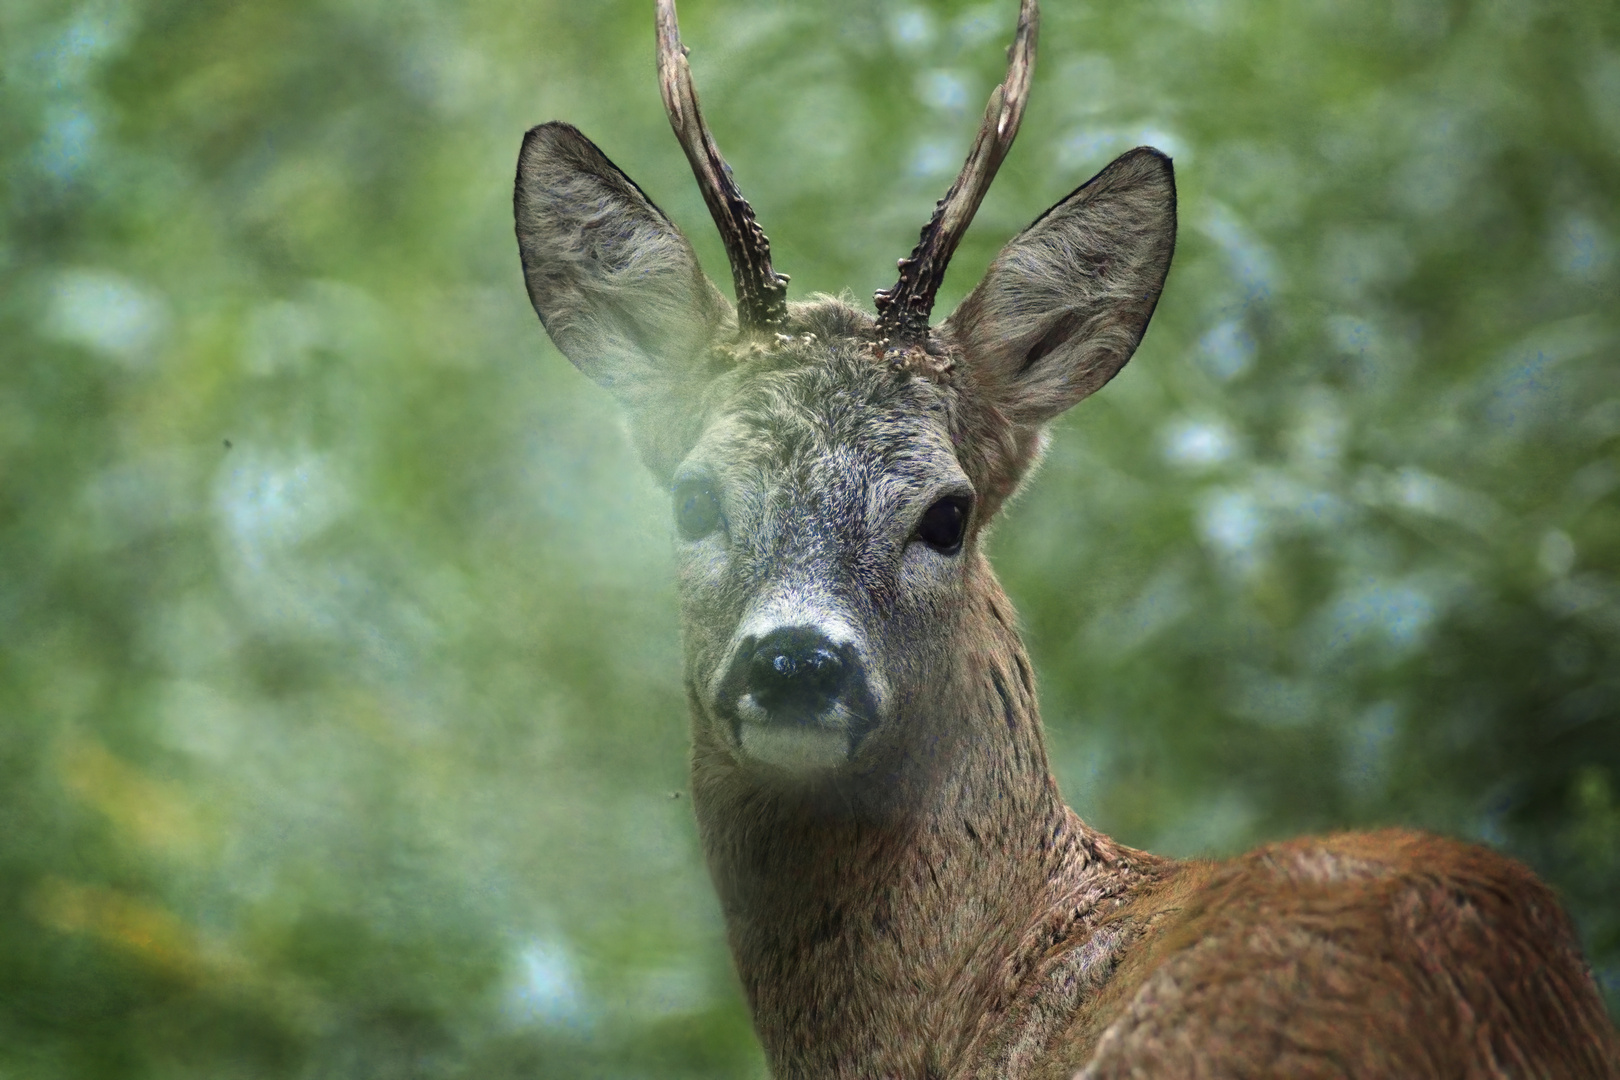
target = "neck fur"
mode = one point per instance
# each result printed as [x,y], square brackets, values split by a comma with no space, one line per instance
[900,939]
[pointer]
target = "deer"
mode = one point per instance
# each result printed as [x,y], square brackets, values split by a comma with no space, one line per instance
[905,892]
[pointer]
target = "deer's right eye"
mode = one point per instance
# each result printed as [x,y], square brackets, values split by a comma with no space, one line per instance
[697,508]
[943,524]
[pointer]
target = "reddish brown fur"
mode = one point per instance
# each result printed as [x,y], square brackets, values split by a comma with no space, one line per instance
[1393,953]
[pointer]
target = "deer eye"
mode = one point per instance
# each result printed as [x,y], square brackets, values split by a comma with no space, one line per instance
[697,508]
[943,524]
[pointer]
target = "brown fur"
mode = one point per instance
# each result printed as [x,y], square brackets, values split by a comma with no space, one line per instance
[926,907]
[1393,953]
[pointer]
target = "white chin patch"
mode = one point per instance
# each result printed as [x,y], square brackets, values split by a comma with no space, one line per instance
[795,747]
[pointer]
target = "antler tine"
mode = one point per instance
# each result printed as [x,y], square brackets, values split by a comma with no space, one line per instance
[903,309]
[761,291]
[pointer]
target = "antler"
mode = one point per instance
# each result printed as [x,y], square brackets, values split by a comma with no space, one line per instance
[761,291]
[903,309]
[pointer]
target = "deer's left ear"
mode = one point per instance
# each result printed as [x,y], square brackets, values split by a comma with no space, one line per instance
[1065,303]
[616,285]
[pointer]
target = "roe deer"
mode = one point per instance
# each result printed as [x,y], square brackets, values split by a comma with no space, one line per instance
[905,892]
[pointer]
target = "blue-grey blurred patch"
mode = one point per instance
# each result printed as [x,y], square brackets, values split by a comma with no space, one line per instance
[1490,826]
[1273,700]
[1608,977]
[60,70]
[108,313]
[1443,160]
[1088,148]
[1118,631]
[1414,489]
[1601,80]
[1252,262]
[1597,479]
[1393,616]
[912,29]
[982,24]
[1231,524]
[449,75]
[1532,386]
[934,157]
[200,720]
[1367,748]
[1581,248]
[1354,335]
[1357,263]
[1207,15]
[1316,439]
[669,992]
[152,492]
[1555,554]
[337,318]
[545,988]
[96,32]
[1198,444]
[1227,349]
[1085,763]
[268,503]
[945,89]
[1089,82]
[1378,355]
[1290,504]
[1591,598]
[1221,823]
[68,143]
[280,335]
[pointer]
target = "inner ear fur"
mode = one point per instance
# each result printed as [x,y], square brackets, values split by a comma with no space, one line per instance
[1065,303]
[615,283]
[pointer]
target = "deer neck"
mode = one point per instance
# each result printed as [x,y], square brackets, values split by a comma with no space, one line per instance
[881,934]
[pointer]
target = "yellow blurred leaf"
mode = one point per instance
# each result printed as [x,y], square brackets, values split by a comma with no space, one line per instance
[154,813]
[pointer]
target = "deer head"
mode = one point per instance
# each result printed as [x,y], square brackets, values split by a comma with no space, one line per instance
[832,472]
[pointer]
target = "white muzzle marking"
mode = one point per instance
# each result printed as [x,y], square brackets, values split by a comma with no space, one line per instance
[808,744]
[799,748]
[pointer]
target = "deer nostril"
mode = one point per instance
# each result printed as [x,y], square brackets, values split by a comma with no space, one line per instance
[795,667]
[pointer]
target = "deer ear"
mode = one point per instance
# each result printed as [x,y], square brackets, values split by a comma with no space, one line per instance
[614,282]
[1065,303]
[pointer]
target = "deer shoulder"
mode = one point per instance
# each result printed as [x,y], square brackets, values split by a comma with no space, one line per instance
[1391,953]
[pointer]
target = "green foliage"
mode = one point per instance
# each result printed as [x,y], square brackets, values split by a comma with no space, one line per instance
[338,660]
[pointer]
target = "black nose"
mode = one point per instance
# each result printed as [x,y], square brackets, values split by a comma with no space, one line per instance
[796,669]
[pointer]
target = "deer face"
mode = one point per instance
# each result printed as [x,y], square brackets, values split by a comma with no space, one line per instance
[829,472]
[823,526]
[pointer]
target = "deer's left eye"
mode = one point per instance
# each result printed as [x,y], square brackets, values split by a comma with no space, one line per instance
[697,508]
[944,523]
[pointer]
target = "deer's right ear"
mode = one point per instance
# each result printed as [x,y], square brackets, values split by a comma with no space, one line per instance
[614,282]
[1065,303]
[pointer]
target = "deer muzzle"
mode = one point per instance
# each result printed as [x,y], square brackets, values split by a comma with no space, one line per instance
[797,696]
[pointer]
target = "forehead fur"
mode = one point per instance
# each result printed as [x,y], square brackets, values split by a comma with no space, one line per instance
[823,391]
[818,393]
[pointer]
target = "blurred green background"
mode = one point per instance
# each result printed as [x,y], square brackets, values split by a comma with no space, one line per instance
[340,731]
